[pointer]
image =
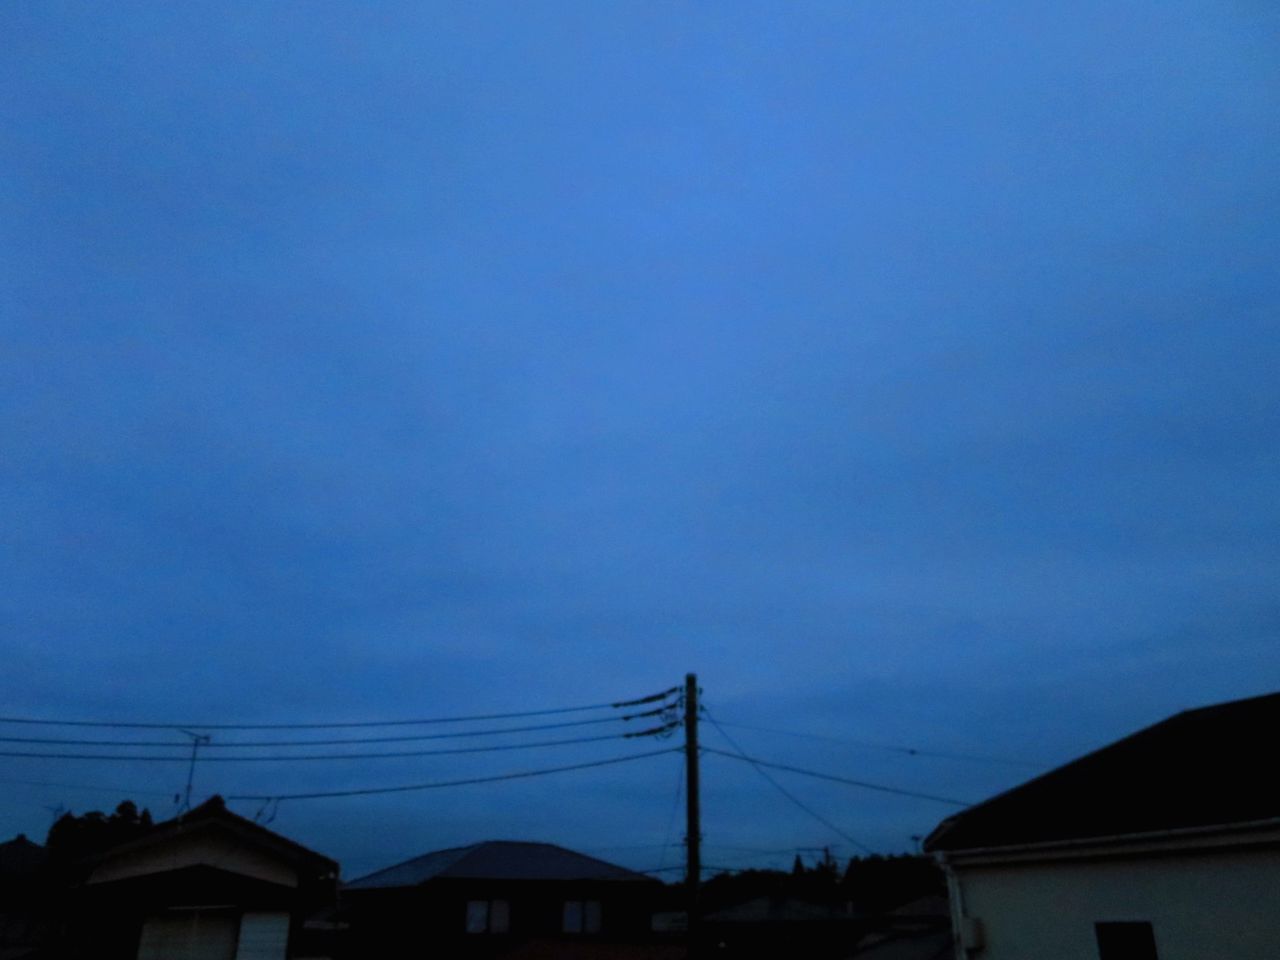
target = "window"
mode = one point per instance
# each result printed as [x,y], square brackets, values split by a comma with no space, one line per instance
[1125,941]
[488,916]
[190,935]
[582,916]
[263,936]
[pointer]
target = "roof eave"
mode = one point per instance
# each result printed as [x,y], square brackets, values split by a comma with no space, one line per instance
[1199,836]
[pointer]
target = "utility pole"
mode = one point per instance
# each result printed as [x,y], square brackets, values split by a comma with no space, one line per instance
[196,740]
[693,820]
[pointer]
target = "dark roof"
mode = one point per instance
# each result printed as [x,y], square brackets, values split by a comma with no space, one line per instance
[20,856]
[1199,768]
[916,945]
[780,910]
[497,860]
[214,812]
[934,906]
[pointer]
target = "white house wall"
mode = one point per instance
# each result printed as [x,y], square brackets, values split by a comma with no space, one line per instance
[1201,905]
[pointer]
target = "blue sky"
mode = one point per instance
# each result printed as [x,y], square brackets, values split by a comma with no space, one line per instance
[906,370]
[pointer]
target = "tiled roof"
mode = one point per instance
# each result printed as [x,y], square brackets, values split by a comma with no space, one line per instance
[1199,768]
[496,860]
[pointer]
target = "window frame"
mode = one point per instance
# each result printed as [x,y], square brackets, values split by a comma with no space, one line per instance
[588,914]
[496,914]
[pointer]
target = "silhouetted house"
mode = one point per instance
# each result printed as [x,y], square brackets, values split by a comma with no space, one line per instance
[208,884]
[502,898]
[780,926]
[1165,844]
[24,891]
[919,930]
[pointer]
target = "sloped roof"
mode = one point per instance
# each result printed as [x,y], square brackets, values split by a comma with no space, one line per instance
[20,856]
[1199,768]
[780,910]
[925,945]
[214,812]
[497,860]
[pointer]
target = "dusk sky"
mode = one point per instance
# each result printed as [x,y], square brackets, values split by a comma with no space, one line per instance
[906,370]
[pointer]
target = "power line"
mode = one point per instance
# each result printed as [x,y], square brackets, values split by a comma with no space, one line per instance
[458,735]
[671,820]
[451,783]
[126,791]
[133,725]
[781,789]
[756,762]
[288,758]
[896,748]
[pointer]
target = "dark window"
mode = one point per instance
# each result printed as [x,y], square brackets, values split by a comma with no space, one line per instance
[582,916]
[1125,941]
[488,916]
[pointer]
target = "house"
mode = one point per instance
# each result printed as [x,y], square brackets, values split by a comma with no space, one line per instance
[1165,844]
[207,884]
[917,930]
[24,886]
[502,898]
[776,925]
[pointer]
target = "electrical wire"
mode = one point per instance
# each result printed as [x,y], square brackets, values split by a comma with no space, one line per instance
[125,791]
[287,758]
[459,735]
[369,791]
[756,762]
[132,725]
[671,820]
[780,788]
[896,748]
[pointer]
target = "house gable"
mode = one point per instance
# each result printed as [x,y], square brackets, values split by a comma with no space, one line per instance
[1198,769]
[207,845]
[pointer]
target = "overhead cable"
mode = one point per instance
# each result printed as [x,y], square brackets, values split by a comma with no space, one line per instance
[288,758]
[123,791]
[780,788]
[671,819]
[456,735]
[367,791]
[173,725]
[756,762]
[893,747]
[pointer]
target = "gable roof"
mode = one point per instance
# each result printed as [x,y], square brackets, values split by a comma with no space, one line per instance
[497,860]
[213,814]
[1199,768]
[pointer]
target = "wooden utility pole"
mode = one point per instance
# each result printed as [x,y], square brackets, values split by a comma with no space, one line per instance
[693,823]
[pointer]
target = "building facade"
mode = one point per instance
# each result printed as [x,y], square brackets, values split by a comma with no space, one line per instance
[1162,846]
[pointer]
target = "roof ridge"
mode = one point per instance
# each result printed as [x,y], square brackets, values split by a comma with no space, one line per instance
[1195,729]
[1210,707]
[511,859]
[409,860]
[212,811]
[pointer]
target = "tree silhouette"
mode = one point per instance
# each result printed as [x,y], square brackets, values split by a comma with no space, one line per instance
[72,839]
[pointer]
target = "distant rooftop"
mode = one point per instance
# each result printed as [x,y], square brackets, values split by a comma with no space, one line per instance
[20,856]
[1199,768]
[496,860]
[781,910]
